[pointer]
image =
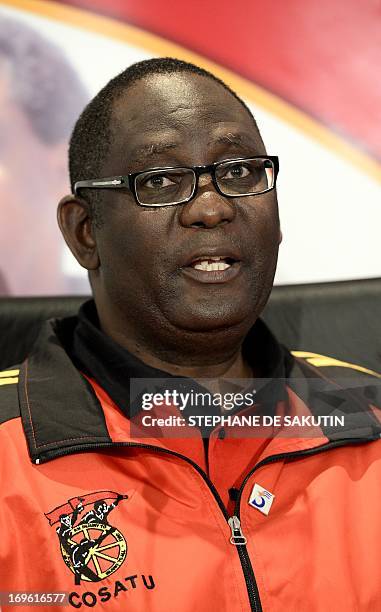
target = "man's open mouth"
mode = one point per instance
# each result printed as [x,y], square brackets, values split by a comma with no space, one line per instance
[212,268]
[208,264]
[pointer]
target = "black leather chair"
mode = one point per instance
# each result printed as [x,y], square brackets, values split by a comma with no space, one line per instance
[341,319]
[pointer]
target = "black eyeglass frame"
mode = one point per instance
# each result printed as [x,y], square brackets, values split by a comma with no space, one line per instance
[129,180]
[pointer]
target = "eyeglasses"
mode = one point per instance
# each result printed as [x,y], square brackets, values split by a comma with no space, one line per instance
[233,178]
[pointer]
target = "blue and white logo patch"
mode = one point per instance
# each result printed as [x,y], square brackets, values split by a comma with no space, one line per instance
[261,499]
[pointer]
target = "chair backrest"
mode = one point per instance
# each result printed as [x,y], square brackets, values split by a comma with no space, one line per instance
[339,319]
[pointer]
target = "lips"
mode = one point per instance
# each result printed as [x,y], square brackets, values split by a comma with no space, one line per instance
[209,264]
[212,265]
[211,255]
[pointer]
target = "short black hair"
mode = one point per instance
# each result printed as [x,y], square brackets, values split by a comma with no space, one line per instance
[42,82]
[91,137]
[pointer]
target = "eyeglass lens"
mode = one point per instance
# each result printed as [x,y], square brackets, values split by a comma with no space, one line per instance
[246,177]
[159,187]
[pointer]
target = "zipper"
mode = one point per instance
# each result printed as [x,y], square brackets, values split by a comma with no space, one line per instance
[237,537]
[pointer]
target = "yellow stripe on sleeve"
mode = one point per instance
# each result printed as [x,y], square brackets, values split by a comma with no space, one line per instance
[321,361]
[8,381]
[8,373]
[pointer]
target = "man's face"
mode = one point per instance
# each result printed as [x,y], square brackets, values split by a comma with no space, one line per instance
[146,254]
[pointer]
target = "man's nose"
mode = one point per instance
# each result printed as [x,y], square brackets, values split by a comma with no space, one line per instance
[208,208]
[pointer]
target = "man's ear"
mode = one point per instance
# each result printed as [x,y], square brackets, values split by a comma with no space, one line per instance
[74,220]
[280,236]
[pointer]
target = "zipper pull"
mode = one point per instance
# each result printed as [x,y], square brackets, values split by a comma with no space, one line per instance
[237,538]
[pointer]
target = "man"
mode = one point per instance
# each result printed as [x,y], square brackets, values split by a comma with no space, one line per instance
[174,214]
[40,98]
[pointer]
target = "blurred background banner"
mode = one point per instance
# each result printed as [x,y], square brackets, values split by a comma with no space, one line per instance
[308,69]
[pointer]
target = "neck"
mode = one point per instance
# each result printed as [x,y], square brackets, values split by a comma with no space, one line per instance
[218,366]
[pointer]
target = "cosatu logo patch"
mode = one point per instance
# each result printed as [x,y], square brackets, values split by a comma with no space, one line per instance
[91,548]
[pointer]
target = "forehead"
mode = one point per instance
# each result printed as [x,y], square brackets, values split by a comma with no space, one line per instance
[178,114]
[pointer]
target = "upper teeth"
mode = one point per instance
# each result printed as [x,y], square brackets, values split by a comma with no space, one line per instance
[211,263]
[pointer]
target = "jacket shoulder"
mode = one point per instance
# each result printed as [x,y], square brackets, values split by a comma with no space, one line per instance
[9,401]
[351,376]
[331,366]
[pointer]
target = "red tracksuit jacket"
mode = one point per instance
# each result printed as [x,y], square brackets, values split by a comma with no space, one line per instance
[116,523]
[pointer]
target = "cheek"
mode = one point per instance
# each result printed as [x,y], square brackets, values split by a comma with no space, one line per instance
[133,244]
[262,227]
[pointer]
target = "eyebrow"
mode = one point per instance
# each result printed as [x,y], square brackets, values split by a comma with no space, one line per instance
[228,139]
[146,151]
[238,140]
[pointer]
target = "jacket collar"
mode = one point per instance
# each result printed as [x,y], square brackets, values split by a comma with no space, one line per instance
[58,407]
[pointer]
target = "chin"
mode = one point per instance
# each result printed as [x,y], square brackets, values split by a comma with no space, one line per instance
[214,319]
